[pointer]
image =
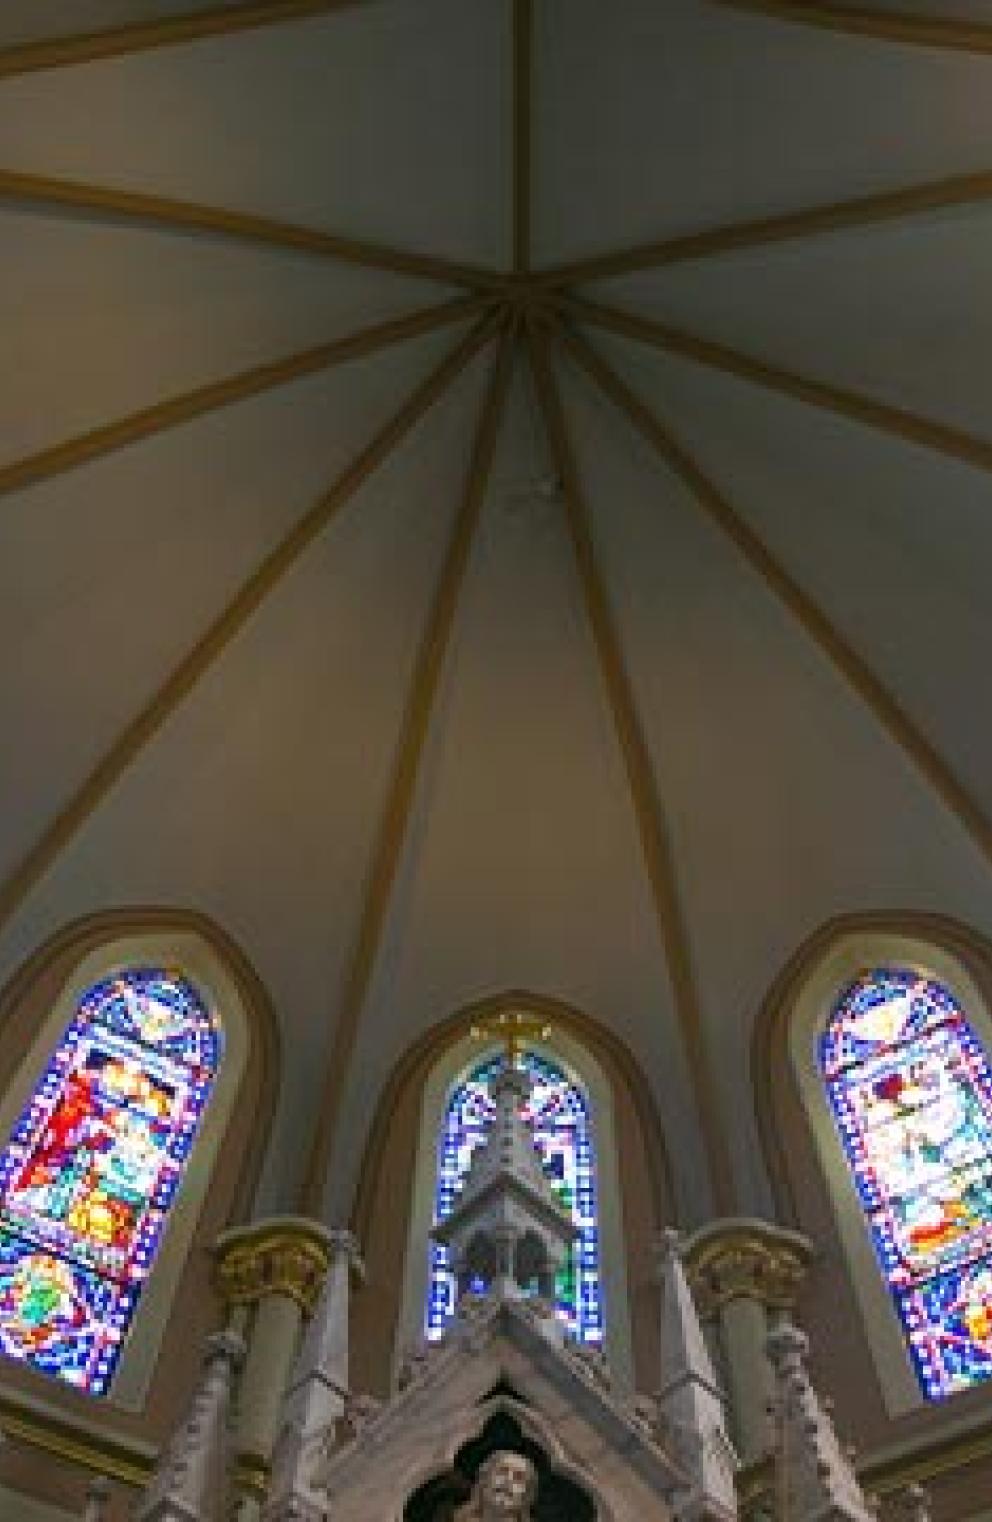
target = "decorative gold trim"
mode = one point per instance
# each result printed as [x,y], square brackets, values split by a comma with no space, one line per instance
[251,1474]
[65,1440]
[229,623]
[523,40]
[141,36]
[734,237]
[393,823]
[859,676]
[183,408]
[859,408]
[282,1257]
[745,1259]
[143,210]
[910,27]
[927,1460]
[647,804]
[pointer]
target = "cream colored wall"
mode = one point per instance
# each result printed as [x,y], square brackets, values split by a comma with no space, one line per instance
[17,1507]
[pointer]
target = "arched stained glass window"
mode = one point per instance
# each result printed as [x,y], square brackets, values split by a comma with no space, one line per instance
[558,1114]
[911,1092]
[92,1166]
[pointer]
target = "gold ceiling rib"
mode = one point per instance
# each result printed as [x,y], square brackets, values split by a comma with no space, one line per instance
[402,785]
[961,190]
[175,410]
[141,36]
[523,42]
[144,210]
[955,32]
[229,623]
[856,406]
[648,807]
[887,710]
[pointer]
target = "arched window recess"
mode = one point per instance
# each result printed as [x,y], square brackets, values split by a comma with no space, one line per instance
[910,1089]
[93,1165]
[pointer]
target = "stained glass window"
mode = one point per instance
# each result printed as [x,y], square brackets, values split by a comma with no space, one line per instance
[558,1114]
[911,1092]
[92,1166]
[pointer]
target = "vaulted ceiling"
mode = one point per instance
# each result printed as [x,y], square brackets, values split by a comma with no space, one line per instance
[496,494]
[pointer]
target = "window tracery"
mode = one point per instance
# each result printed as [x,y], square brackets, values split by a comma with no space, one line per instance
[92,1167]
[910,1089]
[558,1114]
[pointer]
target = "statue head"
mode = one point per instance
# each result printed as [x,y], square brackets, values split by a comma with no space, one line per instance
[506,1487]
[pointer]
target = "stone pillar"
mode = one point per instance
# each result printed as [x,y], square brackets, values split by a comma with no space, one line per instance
[318,1391]
[270,1275]
[746,1276]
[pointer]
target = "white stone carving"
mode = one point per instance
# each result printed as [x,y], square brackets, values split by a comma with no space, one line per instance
[190,1480]
[691,1406]
[504,1492]
[816,1481]
[318,1391]
[507,1227]
[589,1433]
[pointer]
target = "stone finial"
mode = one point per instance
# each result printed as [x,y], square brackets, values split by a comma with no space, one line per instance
[189,1483]
[691,1410]
[816,1475]
[344,1244]
[97,1499]
[915,1504]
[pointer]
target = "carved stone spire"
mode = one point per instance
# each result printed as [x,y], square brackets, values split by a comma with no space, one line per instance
[508,1231]
[815,1476]
[190,1481]
[915,1504]
[691,1404]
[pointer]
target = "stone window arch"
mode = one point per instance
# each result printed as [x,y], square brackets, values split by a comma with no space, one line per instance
[850,968]
[86,1022]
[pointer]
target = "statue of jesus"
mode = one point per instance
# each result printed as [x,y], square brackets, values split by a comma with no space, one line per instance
[504,1490]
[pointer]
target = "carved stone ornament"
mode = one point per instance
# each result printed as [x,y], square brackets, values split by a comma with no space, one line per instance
[505,1490]
[286,1256]
[415,1366]
[746,1259]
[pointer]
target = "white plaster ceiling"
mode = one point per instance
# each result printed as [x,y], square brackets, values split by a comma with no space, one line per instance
[259,798]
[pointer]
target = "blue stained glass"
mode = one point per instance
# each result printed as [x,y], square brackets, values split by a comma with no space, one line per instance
[558,1114]
[92,1166]
[911,1093]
